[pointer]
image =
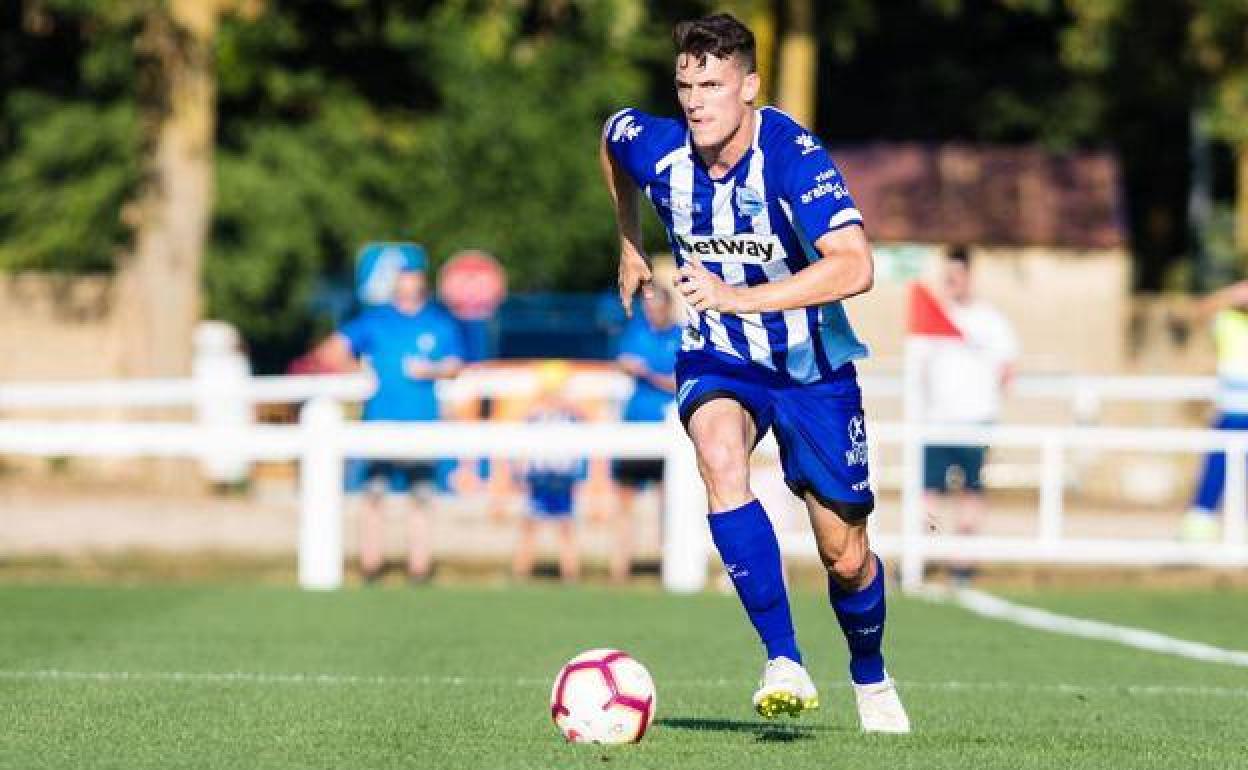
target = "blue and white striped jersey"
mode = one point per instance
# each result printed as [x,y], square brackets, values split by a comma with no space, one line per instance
[755,224]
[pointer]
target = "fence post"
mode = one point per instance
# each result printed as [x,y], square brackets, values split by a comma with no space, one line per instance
[685,554]
[321,496]
[912,467]
[1052,482]
[221,375]
[1235,510]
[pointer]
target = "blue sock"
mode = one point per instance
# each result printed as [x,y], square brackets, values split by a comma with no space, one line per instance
[747,544]
[861,615]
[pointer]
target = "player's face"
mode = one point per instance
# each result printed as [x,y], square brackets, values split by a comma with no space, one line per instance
[410,287]
[957,281]
[658,309]
[715,95]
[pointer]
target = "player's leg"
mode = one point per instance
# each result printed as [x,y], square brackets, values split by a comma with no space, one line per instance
[723,435]
[412,482]
[620,561]
[823,448]
[856,591]
[361,477]
[1201,522]
[971,507]
[569,550]
[523,557]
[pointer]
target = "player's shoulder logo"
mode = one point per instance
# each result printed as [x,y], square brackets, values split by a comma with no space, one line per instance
[807,142]
[750,201]
[626,129]
[857,433]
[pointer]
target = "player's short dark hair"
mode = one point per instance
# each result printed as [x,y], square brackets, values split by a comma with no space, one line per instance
[720,35]
[959,252]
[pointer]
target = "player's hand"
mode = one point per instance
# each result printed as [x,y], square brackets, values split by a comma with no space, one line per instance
[420,368]
[704,290]
[634,275]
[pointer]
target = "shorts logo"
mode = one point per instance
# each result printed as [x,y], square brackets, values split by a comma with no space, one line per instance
[750,201]
[685,388]
[856,432]
[857,452]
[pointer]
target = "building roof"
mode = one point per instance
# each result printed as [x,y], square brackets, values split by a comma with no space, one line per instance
[987,195]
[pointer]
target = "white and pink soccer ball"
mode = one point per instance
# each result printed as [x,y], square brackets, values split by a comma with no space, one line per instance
[603,696]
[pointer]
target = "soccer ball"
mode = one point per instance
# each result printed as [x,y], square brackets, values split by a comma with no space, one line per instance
[602,696]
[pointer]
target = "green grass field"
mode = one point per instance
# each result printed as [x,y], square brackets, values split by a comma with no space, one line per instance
[240,677]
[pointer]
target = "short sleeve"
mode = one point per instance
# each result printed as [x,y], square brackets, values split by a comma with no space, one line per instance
[625,133]
[633,342]
[816,190]
[452,339]
[358,333]
[1006,347]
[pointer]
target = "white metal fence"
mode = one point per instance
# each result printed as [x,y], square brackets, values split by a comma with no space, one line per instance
[322,439]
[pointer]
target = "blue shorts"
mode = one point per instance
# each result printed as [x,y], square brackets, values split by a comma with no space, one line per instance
[819,427]
[552,505]
[393,476]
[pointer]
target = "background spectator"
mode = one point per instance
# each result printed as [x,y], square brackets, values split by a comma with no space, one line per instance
[964,379]
[648,355]
[1229,309]
[409,344]
[551,482]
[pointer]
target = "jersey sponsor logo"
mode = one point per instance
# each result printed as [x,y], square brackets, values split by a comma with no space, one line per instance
[679,206]
[808,143]
[750,201]
[626,129]
[825,175]
[835,189]
[745,248]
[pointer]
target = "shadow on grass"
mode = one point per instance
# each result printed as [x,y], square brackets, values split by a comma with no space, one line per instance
[763,732]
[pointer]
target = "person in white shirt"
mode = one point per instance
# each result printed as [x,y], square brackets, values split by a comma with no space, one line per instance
[964,381]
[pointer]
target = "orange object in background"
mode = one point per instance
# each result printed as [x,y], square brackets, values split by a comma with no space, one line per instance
[599,497]
[926,316]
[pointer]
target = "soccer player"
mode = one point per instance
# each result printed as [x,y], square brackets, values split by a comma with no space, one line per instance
[769,242]
[409,344]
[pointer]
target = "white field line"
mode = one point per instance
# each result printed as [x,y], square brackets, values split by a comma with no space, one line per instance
[989,606]
[260,678]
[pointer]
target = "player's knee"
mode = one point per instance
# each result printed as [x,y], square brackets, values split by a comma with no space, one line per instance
[724,468]
[848,569]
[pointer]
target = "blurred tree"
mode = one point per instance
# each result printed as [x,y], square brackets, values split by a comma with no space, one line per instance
[457,124]
[69,141]
[158,285]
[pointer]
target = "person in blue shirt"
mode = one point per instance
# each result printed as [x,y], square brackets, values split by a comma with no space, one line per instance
[770,243]
[409,344]
[647,355]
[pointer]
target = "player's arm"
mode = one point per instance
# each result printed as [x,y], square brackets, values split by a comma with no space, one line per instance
[823,210]
[844,270]
[634,270]
[1233,296]
[335,352]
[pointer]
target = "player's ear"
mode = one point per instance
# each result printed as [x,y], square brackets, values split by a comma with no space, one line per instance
[750,86]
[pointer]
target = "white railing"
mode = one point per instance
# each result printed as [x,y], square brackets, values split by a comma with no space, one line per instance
[323,439]
[223,436]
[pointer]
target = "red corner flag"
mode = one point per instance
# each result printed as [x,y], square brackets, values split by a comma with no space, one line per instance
[926,317]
